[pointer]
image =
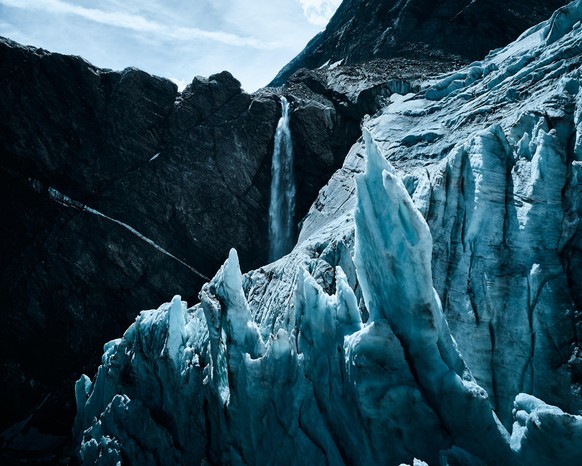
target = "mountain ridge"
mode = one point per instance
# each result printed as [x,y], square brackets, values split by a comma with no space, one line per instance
[360,31]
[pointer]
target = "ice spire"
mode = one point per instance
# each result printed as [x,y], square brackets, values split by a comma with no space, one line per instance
[282,207]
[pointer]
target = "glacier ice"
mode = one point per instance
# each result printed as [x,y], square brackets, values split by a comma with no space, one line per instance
[430,304]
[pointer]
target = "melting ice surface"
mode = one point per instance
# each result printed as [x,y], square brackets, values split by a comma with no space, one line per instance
[282,205]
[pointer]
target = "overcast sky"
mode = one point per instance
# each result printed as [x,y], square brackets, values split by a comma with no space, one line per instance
[177,39]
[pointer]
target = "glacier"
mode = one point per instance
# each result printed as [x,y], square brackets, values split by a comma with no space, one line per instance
[431,303]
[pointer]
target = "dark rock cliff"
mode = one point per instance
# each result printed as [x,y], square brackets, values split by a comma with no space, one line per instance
[189,172]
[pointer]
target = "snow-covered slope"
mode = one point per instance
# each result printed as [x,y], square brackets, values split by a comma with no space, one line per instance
[431,303]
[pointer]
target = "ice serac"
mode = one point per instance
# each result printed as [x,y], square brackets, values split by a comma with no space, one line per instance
[393,251]
[430,305]
[314,387]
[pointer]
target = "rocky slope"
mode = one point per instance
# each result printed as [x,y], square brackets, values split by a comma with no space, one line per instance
[461,30]
[126,145]
[430,304]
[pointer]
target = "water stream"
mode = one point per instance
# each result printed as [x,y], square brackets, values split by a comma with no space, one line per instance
[282,206]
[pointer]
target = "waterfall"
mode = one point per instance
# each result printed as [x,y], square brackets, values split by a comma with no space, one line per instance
[282,206]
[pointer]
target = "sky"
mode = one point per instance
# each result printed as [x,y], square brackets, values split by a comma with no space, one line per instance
[176,39]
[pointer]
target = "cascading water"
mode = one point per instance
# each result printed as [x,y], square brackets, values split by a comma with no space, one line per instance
[282,207]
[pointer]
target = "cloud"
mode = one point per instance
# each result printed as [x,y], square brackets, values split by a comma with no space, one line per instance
[319,11]
[171,38]
[140,24]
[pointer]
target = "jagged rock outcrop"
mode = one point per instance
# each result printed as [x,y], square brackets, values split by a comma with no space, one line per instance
[429,306]
[462,30]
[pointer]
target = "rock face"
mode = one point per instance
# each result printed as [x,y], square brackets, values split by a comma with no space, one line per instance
[430,304]
[361,31]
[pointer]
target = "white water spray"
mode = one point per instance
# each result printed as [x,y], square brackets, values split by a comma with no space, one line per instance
[282,207]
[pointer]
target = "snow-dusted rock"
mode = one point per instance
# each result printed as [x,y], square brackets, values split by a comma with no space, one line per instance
[431,301]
